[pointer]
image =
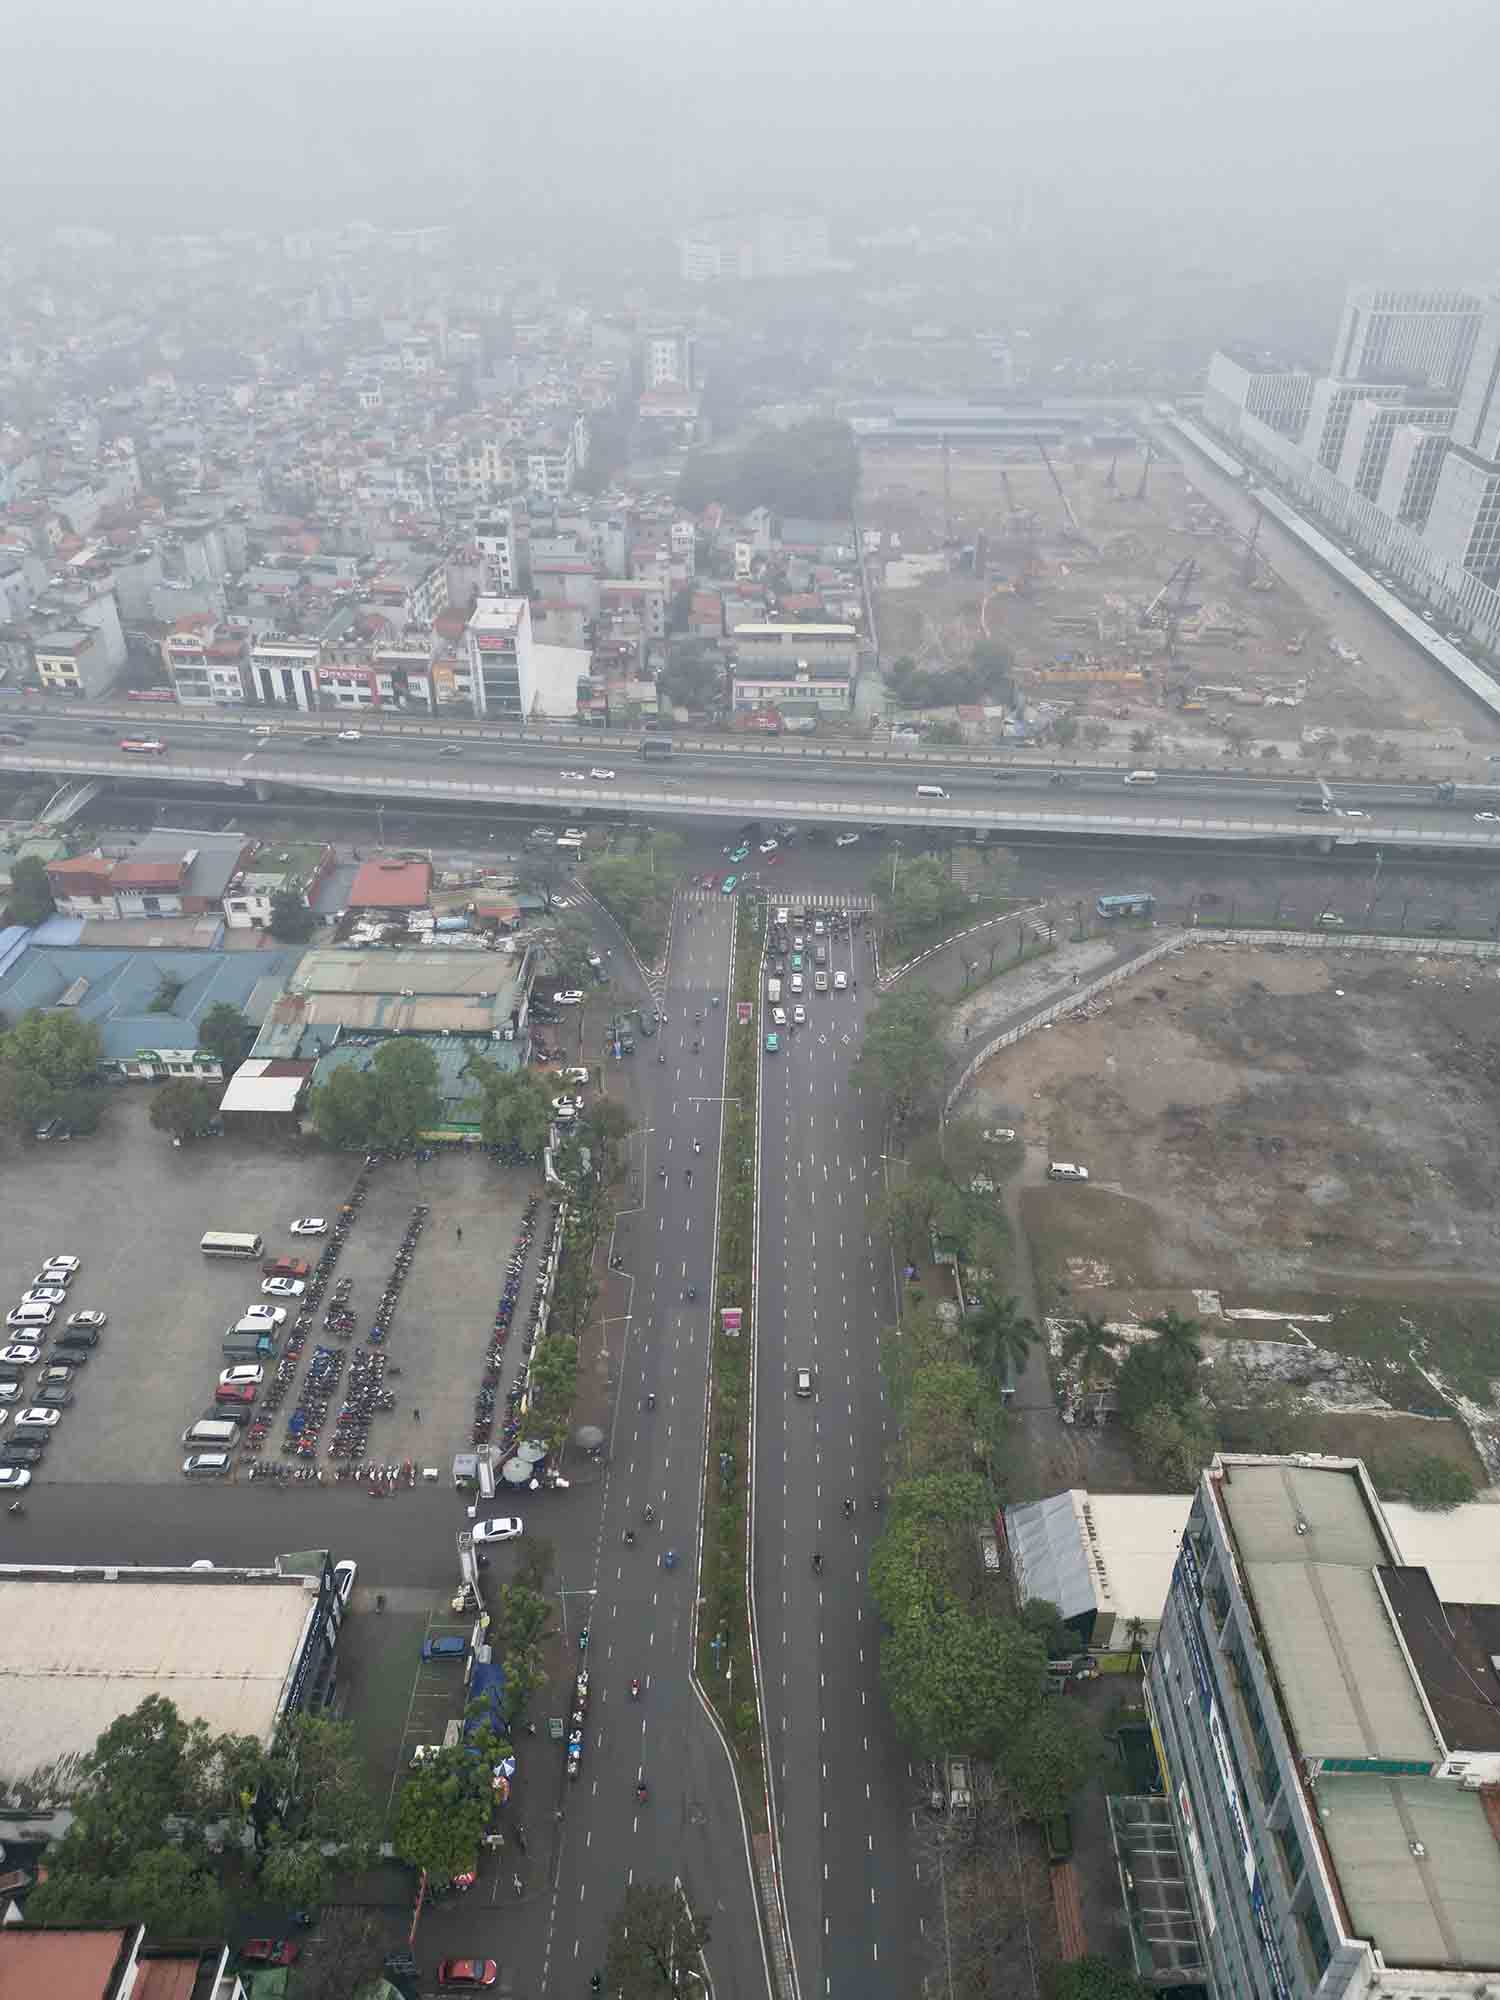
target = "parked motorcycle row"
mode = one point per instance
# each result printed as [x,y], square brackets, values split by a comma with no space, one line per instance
[505,1311]
[330,1408]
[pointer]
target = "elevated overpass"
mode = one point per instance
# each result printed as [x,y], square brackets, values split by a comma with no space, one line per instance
[834,799]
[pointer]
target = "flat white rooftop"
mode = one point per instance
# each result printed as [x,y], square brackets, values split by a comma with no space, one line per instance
[79,1651]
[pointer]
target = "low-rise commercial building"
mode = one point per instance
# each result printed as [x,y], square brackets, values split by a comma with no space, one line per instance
[1328,1727]
[241,1649]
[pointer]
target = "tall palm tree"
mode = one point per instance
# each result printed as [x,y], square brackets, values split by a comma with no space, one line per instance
[1000,1337]
[1177,1335]
[1135,1632]
[1090,1343]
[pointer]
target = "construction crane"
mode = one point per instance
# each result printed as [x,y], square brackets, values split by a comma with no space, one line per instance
[1067,506]
[1251,539]
[1181,581]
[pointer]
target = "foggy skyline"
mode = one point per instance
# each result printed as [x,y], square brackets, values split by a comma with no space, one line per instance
[1355,128]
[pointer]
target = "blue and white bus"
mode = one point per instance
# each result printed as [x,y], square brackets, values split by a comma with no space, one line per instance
[1126,906]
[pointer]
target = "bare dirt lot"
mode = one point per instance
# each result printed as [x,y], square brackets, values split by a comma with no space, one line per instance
[1071,610]
[1280,1118]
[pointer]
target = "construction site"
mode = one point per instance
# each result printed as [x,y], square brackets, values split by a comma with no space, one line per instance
[1136,616]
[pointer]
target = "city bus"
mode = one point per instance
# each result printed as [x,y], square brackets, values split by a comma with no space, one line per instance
[1125,906]
[224,1243]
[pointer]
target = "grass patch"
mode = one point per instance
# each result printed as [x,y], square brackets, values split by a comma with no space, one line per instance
[1458,1338]
[1087,1224]
[726,1665]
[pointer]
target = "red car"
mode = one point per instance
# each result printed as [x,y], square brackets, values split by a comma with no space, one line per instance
[235,1392]
[269,1951]
[467,1972]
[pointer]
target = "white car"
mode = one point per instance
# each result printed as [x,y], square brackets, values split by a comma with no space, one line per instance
[1353,812]
[45,1295]
[14,1478]
[567,1106]
[845,839]
[574,1075]
[1064,1170]
[308,1225]
[783,916]
[803,1382]
[504,1528]
[93,1319]
[21,1351]
[1487,819]
[574,777]
[769,846]
[246,1374]
[60,1264]
[263,1316]
[40,1416]
[283,1288]
[840,982]
[54,1276]
[778,1017]
[799,1017]
[572,998]
[348,736]
[602,776]
[344,1574]
[9,1391]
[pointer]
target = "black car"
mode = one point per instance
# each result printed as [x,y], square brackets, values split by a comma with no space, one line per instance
[66,1356]
[30,1434]
[79,1336]
[52,1399]
[20,1451]
[230,1413]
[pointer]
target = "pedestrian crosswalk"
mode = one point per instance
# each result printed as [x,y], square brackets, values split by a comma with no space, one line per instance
[786,895]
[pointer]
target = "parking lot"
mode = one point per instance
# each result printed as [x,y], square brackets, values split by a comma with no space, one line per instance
[133,1208]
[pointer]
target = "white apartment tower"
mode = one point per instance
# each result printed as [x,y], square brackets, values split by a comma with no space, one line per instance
[1413,336]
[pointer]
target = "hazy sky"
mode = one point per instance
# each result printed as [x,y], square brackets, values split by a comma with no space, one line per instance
[1364,121]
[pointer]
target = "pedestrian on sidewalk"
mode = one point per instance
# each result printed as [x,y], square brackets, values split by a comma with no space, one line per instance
[459,1232]
[416,1416]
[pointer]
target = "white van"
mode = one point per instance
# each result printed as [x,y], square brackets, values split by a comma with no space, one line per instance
[30,1316]
[1140,777]
[570,845]
[210,1431]
[773,991]
[931,792]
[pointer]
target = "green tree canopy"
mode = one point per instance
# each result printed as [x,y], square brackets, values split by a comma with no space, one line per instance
[923,897]
[1173,1443]
[515,1106]
[30,891]
[901,1058]
[1048,1763]
[226,1033]
[1000,1336]
[343,1111]
[654,1938]
[389,1105]
[810,469]
[322,1816]
[445,1807]
[43,1056]
[181,1107]
[958,1680]
[291,920]
[1094,1978]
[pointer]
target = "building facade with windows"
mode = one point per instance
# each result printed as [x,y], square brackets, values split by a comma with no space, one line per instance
[1328,1732]
[497,642]
[1387,334]
[1464,521]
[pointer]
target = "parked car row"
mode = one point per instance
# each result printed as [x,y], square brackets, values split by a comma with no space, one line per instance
[30,1416]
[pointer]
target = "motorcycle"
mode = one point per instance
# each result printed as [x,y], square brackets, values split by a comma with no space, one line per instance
[635,1690]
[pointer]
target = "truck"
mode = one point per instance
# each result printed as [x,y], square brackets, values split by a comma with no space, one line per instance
[656,746]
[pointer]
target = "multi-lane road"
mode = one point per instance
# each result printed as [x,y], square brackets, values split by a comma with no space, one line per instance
[476,767]
[824,1293]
